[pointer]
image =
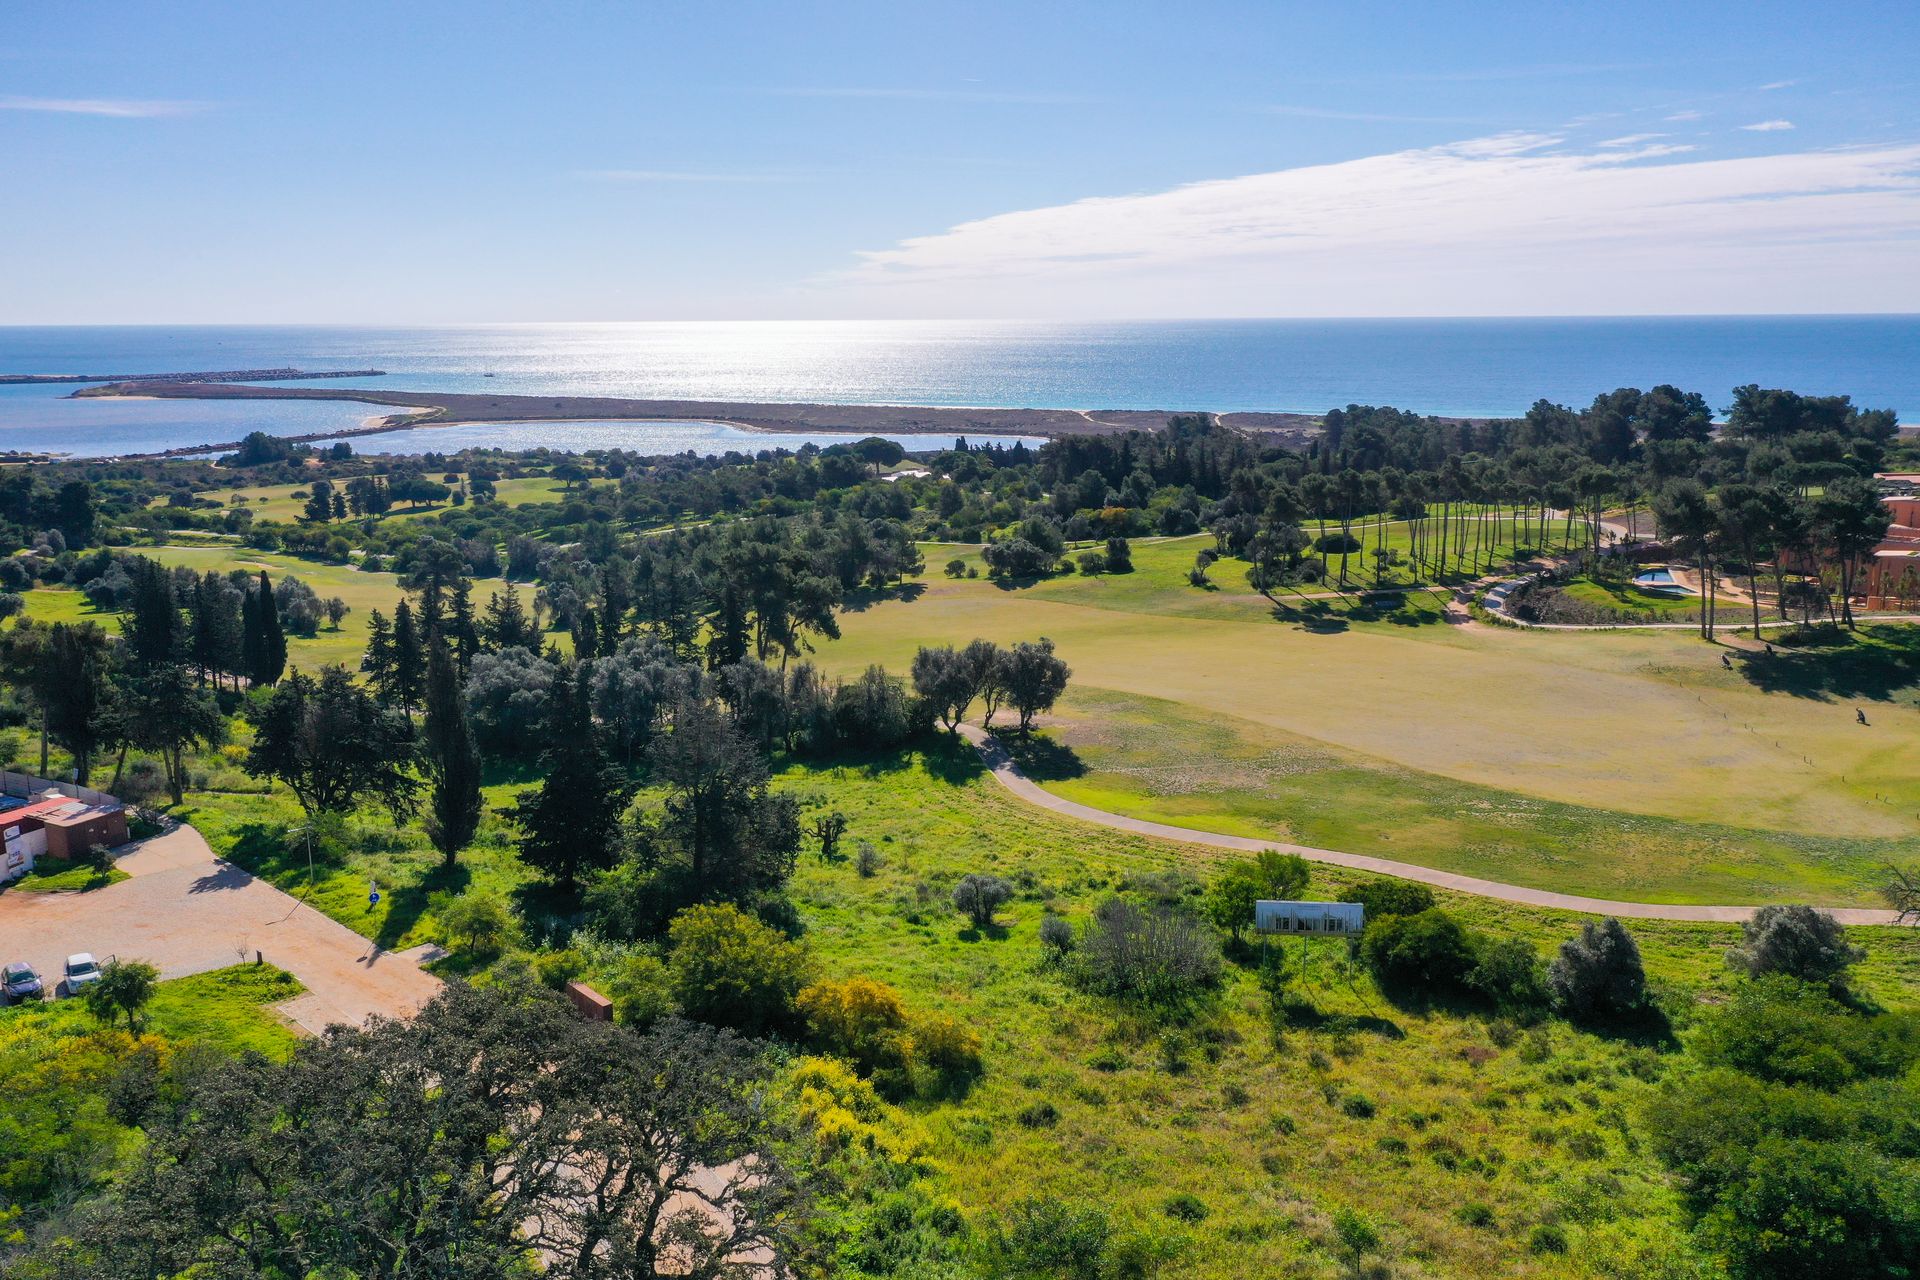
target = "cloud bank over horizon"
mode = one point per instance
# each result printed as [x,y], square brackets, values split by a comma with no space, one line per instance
[1515,223]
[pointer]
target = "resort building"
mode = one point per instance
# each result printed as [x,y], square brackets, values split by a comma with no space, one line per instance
[1892,579]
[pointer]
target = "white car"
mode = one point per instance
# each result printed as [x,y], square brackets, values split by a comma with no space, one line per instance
[82,971]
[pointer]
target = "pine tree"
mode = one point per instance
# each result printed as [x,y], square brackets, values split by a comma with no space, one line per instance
[506,625]
[153,627]
[377,661]
[452,761]
[462,632]
[409,662]
[572,820]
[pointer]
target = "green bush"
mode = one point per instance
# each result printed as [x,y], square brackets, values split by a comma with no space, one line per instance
[1548,1237]
[1185,1207]
[1797,941]
[730,970]
[1599,973]
[1428,951]
[1386,897]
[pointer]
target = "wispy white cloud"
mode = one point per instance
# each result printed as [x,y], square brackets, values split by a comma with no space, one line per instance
[1768,126]
[1631,139]
[1778,84]
[1685,115]
[680,175]
[1516,223]
[122,108]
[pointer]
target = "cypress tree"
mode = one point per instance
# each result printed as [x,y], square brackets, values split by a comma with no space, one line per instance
[451,759]
[272,644]
[249,634]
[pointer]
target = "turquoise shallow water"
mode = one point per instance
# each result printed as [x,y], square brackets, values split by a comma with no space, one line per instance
[1461,367]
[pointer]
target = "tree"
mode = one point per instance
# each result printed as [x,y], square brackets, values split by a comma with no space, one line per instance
[978,897]
[319,509]
[948,680]
[1796,940]
[1599,973]
[738,838]
[333,745]
[152,628]
[406,679]
[1902,892]
[479,921]
[1271,875]
[827,829]
[1429,951]
[1852,520]
[72,688]
[1033,679]
[493,1127]
[730,970]
[449,756]
[166,711]
[124,988]
[270,641]
[571,821]
[1687,516]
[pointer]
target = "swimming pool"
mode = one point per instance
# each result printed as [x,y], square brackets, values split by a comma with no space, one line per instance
[1660,582]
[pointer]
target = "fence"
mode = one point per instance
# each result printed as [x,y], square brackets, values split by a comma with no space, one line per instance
[26,785]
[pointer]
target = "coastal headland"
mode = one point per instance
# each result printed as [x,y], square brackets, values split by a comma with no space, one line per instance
[222,375]
[432,408]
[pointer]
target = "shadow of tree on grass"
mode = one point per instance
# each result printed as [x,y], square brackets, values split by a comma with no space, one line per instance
[1830,664]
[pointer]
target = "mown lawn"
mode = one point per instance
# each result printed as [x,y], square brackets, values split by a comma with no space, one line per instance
[1627,599]
[1147,758]
[276,501]
[1644,725]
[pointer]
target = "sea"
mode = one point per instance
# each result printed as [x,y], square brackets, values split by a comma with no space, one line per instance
[1459,367]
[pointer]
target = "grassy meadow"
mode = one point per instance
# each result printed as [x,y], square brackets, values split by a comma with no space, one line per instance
[363,592]
[1781,792]
[1456,1138]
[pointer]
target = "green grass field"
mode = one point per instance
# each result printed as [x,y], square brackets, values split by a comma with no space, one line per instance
[1602,731]
[363,592]
[1269,1134]
[1624,597]
[1400,1113]
[276,501]
[225,1009]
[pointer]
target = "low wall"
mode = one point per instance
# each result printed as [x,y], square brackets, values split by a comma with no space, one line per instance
[25,785]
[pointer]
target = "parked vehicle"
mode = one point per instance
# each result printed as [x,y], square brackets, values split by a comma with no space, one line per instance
[20,982]
[82,971]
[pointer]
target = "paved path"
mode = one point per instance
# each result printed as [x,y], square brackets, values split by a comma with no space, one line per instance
[1009,776]
[186,911]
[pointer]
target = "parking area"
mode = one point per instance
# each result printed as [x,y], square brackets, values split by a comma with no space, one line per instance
[184,911]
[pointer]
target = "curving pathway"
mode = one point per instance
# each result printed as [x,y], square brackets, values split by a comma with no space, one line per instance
[1008,775]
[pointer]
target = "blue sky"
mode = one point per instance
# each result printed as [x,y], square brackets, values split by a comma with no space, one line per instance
[613,160]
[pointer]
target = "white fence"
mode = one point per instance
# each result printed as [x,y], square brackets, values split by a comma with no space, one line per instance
[25,785]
